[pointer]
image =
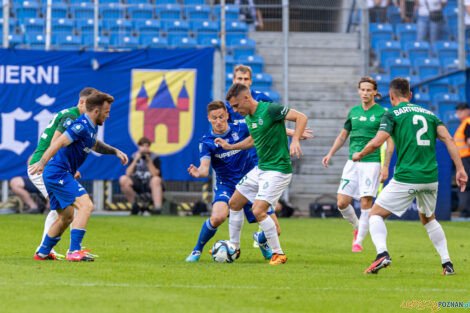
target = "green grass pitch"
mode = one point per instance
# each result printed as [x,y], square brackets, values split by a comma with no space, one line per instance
[141,268]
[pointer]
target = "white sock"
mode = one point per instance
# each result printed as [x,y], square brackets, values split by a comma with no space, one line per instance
[378,232]
[269,228]
[50,219]
[438,238]
[350,215]
[363,227]
[235,224]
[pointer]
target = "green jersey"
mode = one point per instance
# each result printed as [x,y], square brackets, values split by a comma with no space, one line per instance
[363,126]
[267,128]
[60,122]
[414,131]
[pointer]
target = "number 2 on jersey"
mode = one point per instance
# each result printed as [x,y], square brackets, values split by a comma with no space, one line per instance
[422,130]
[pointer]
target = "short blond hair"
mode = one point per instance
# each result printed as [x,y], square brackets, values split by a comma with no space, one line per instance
[242,68]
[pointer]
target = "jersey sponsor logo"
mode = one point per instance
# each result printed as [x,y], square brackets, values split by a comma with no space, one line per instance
[87,150]
[254,125]
[363,119]
[77,128]
[162,108]
[413,191]
[226,154]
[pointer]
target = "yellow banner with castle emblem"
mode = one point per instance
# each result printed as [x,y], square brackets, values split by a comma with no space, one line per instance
[162,108]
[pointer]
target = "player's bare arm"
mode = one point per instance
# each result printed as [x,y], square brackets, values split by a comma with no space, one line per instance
[372,146]
[388,157]
[38,167]
[300,123]
[201,171]
[460,175]
[339,142]
[307,134]
[104,148]
[246,143]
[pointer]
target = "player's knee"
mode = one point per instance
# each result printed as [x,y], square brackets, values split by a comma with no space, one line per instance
[156,181]
[260,214]
[218,220]
[124,180]
[342,204]
[16,183]
[234,204]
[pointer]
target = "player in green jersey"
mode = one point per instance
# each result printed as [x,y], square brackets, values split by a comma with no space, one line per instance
[361,181]
[59,123]
[264,184]
[414,131]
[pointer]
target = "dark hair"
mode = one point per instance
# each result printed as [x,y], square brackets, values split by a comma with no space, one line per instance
[242,68]
[97,100]
[215,105]
[370,80]
[400,87]
[86,92]
[144,141]
[235,91]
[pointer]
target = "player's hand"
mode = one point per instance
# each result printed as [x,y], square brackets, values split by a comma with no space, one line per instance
[221,142]
[326,160]
[307,134]
[295,149]
[122,156]
[356,157]
[138,155]
[77,175]
[383,174]
[461,179]
[193,171]
[36,168]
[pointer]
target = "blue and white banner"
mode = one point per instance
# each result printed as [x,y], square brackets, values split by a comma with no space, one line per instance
[159,94]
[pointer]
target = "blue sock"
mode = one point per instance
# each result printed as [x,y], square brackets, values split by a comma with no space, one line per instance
[76,237]
[207,232]
[47,244]
[262,237]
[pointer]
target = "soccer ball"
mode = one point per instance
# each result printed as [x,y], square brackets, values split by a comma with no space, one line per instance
[224,252]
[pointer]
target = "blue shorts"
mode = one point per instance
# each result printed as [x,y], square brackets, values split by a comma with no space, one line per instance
[61,187]
[223,193]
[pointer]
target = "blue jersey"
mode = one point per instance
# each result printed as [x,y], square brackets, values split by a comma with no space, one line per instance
[82,135]
[229,165]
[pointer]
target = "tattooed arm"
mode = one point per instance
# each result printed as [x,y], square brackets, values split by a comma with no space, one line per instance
[104,148]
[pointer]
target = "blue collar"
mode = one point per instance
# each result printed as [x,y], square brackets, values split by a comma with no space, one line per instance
[221,135]
[89,120]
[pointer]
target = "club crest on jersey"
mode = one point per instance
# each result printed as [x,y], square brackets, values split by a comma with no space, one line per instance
[260,121]
[235,136]
[77,128]
[363,119]
[162,108]
[372,118]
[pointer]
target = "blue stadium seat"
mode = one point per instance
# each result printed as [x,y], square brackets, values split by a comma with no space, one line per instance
[140,11]
[176,26]
[66,42]
[413,79]
[194,2]
[406,32]
[452,123]
[87,41]
[198,12]
[137,1]
[118,26]
[417,50]
[63,25]
[379,32]
[161,2]
[124,41]
[393,15]
[75,2]
[388,50]
[383,82]
[256,62]
[112,11]
[14,40]
[446,49]
[228,80]
[169,12]
[149,40]
[445,101]
[204,26]
[274,95]
[452,22]
[262,82]
[183,42]
[12,22]
[427,68]
[229,63]
[207,38]
[83,10]
[147,26]
[109,1]
[236,27]
[58,10]
[462,93]
[87,25]
[243,46]
[35,41]
[439,86]
[234,36]
[176,36]
[34,25]
[422,99]
[26,9]
[398,67]
[208,42]
[232,12]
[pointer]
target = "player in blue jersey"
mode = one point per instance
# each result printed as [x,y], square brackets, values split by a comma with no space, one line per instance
[59,166]
[230,167]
